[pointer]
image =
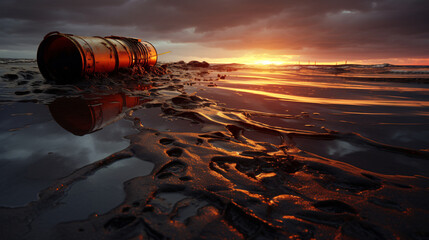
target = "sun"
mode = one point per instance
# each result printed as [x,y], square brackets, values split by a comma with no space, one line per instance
[267,59]
[259,59]
[268,62]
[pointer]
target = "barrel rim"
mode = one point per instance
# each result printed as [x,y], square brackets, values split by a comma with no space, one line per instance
[156,52]
[41,51]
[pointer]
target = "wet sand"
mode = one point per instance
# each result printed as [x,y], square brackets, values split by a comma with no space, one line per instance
[226,151]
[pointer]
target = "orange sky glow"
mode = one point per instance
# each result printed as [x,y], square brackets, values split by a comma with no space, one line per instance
[265,59]
[238,31]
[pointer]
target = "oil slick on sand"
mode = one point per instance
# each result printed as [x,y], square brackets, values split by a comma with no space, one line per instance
[229,151]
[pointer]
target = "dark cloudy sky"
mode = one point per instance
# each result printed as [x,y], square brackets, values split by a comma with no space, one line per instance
[229,30]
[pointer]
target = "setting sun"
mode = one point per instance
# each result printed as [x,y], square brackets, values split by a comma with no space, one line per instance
[268,62]
[267,59]
[259,59]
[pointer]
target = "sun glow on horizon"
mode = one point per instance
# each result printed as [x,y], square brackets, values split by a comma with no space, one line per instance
[269,62]
[258,59]
[266,59]
[273,59]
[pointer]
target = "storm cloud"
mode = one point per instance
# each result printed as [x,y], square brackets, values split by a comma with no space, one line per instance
[325,30]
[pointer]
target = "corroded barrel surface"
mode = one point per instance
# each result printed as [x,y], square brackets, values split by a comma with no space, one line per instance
[66,57]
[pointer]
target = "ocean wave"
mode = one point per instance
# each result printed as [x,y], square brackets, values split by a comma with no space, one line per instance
[16,60]
[397,71]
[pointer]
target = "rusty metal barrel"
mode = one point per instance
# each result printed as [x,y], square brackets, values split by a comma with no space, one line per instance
[66,57]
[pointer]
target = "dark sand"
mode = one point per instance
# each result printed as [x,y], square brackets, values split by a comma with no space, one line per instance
[228,151]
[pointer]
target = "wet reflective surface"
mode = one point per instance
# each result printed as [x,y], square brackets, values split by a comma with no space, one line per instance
[35,150]
[393,113]
[229,151]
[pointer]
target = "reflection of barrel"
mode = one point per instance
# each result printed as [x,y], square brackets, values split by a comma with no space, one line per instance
[83,115]
[66,57]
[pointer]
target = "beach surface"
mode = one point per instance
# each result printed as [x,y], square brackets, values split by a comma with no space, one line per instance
[189,151]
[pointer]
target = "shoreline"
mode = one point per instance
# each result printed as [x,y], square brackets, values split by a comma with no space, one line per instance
[224,164]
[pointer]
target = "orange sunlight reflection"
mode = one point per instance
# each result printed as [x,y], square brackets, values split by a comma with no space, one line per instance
[335,101]
[259,80]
